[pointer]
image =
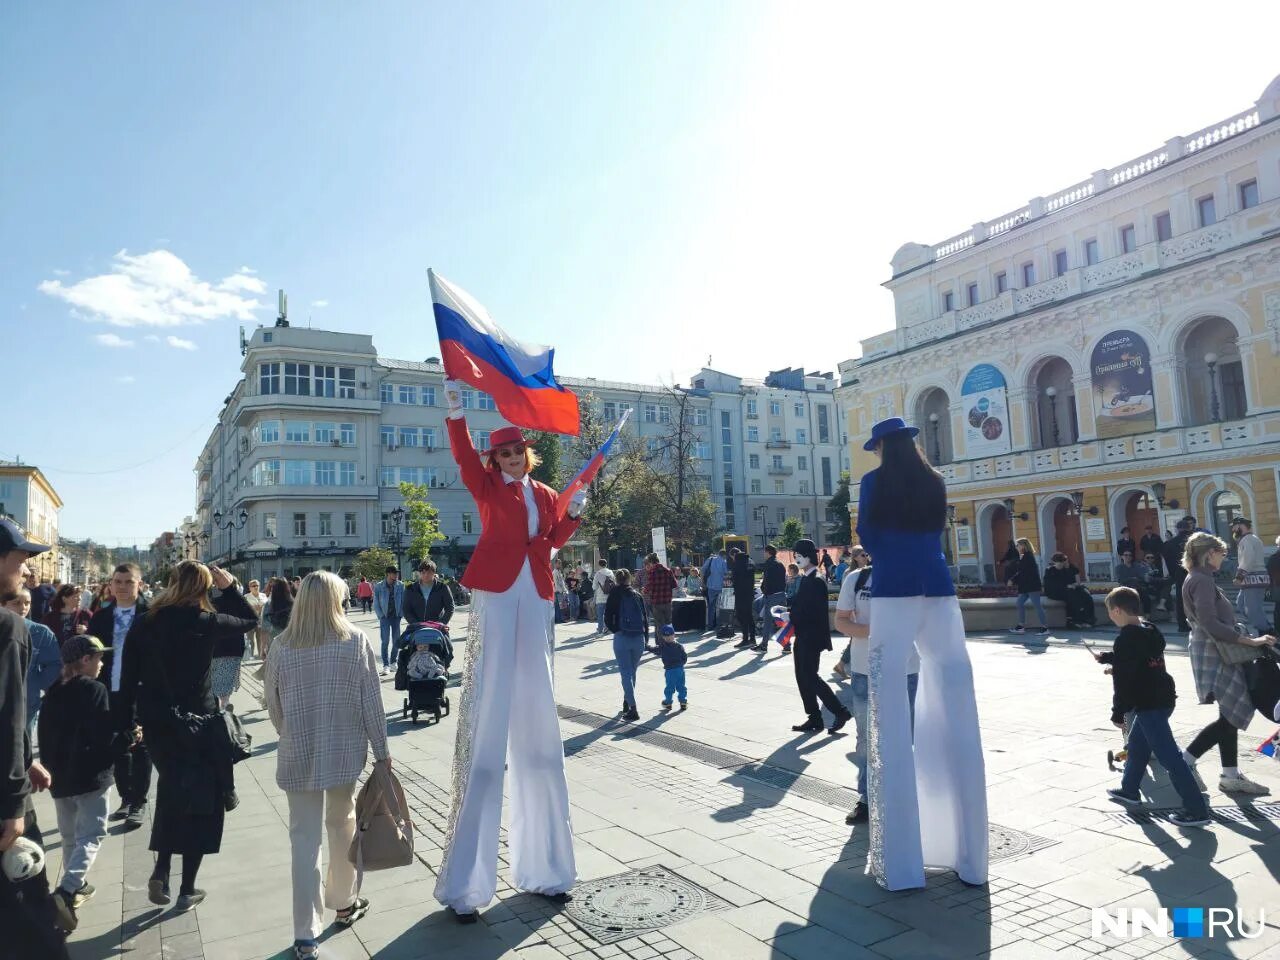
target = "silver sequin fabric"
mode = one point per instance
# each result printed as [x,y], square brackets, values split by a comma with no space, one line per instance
[472,672]
[875,766]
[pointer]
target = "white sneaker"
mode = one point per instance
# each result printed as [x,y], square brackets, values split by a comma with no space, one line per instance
[1239,784]
[384,671]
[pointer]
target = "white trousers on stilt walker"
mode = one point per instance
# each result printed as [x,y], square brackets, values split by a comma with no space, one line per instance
[928,805]
[507,715]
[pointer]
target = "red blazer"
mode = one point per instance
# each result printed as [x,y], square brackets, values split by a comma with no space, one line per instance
[504,525]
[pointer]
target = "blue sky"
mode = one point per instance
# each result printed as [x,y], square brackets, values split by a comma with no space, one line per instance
[666,181]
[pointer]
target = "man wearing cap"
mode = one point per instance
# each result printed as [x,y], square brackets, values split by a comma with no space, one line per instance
[1251,574]
[121,621]
[29,927]
[507,711]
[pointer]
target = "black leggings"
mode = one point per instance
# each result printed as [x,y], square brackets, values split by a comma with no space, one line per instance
[190,867]
[1224,735]
[746,620]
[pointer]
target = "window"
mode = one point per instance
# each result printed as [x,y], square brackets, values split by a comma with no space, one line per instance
[481,439]
[700,417]
[299,524]
[297,473]
[429,437]
[1128,239]
[326,473]
[805,515]
[387,477]
[804,486]
[269,526]
[1002,282]
[702,451]
[348,524]
[1028,274]
[826,476]
[664,413]
[326,525]
[268,431]
[266,473]
[347,473]
[753,434]
[429,477]
[1164,226]
[297,431]
[484,401]
[297,379]
[802,436]
[777,486]
[781,512]
[1059,263]
[388,437]
[1206,212]
[468,398]
[407,393]
[799,409]
[408,436]
[751,408]
[326,432]
[610,411]
[948,301]
[824,424]
[1090,252]
[652,445]
[1248,192]
[347,434]
[802,463]
[387,527]
[775,408]
[268,378]
[326,381]
[775,434]
[428,396]
[386,393]
[466,523]
[409,474]
[777,461]
[755,486]
[971,294]
[266,337]
[753,461]
[347,383]
[650,413]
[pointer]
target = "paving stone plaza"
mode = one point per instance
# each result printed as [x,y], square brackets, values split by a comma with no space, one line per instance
[718,834]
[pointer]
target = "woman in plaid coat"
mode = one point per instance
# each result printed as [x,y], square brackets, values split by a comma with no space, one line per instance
[1213,621]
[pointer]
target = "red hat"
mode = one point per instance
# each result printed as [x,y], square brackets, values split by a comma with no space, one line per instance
[500,438]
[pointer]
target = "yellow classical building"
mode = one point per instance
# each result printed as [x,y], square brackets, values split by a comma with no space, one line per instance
[28,497]
[1105,356]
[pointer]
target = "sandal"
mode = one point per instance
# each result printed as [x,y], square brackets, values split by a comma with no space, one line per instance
[359,907]
[306,950]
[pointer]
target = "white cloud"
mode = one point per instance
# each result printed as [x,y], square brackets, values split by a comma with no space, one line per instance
[180,343]
[61,273]
[157,289]
[111,340]
[319,303]
[247,270]
[125,379]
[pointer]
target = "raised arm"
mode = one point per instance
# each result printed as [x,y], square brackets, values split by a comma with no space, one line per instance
[465,455]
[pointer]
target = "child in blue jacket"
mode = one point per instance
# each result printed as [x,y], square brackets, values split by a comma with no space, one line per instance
[673,661]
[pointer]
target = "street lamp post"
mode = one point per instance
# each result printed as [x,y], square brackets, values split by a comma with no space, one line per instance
[394,538]
[1052,394]
[937,448]
[194,541]
[1211,360]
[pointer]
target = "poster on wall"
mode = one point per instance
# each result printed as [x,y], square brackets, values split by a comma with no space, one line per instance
[986,412]
[1123,398]
[1095,528]
[964,540]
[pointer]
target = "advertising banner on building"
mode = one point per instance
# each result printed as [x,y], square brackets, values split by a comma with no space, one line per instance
[1123,398]
[986,412]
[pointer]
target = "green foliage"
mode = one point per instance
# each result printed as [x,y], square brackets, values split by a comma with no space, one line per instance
[422,519]
[372,563]
[838,532]
[547,447]
[792,530]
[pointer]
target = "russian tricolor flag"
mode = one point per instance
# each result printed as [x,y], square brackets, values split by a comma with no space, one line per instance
[517,375]
[590,468]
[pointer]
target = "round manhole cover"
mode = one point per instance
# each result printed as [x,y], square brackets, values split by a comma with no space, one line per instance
[1006,842]
[614,908]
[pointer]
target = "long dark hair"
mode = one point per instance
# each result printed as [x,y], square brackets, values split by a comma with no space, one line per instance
[281,595]
[909,494]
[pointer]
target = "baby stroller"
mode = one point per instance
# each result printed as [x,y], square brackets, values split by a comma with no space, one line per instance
[424,696]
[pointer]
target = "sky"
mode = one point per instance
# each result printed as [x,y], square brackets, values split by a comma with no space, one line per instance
[642,186]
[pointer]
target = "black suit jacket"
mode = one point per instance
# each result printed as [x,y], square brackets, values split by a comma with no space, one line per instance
[437,605]
[809,613]
[103,626]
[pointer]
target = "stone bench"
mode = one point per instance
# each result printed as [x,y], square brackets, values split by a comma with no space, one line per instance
[984,614]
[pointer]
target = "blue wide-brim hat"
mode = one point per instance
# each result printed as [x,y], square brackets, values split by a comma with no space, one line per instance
[886,427]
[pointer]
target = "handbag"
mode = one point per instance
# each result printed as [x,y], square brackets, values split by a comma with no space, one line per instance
[384,832]
[1237,653]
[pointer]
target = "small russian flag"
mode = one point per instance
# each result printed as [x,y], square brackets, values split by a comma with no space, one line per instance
[1270,746]
[590,468]
[517,375]
[787,630]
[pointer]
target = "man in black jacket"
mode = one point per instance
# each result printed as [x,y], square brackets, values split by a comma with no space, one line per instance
[29,928]
[428,599]
[1173,551]
[118,624]
[809,615]
[773,585]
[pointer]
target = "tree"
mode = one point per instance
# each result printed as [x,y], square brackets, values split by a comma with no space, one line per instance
[680,489]
[609,490]
[422,519]
[838,533]
[792,530]
[547,447]
[372,563]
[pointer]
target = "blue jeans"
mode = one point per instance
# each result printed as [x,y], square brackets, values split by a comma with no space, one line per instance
[1036,602]
[82,822]
[390,629]
[1150,734]
[600,616]
[858,707]
[628,648]
[575,604]
[771,601]
[675,684]
[713,602]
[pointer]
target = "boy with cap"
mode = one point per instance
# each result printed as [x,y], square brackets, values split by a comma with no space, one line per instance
[76,740]
[673,660]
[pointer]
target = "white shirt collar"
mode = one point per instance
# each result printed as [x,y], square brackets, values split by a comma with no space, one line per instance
[510,479]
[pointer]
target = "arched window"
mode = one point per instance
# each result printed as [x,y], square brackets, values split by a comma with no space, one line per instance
[1213,385]
[1054,422]
[933,417]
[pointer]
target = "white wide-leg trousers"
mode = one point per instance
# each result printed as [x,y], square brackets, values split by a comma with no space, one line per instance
[928,803]
[508,716]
